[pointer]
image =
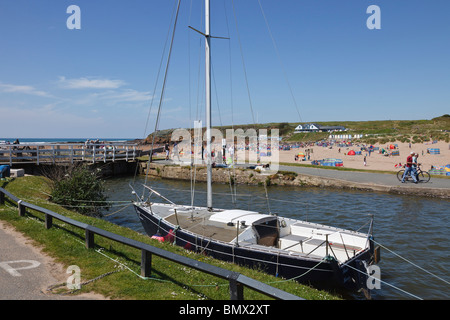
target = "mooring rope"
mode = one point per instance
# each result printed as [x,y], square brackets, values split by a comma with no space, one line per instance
[412,263]
[384,282]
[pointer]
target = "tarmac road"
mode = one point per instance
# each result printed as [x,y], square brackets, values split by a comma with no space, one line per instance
[26,273]
[367,177]
[386,182]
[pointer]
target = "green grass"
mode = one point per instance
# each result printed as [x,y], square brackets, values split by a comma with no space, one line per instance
[333,168]
[169,281]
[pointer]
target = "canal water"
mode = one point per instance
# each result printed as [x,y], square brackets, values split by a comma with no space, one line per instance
[413,231]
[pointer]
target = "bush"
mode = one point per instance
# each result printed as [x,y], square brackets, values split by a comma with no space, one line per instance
[78,188]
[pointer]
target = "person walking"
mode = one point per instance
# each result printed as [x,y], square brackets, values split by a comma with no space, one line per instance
[415,165]
[167,150]
[409,168]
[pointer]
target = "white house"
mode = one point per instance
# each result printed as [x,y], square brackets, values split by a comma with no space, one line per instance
[312,127]
[307,127]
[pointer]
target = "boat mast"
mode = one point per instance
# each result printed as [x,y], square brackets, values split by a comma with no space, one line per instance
[208,105]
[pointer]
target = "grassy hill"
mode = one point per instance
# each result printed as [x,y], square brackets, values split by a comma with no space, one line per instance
[382,131]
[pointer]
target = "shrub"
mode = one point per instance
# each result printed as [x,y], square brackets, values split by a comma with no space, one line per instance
[79,188]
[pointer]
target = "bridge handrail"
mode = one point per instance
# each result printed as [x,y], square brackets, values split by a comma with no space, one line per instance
[236,280]
[66,152]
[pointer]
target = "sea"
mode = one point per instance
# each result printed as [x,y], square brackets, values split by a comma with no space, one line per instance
[61,140]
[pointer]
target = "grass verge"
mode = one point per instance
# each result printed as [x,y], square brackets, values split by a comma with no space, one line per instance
[169,280]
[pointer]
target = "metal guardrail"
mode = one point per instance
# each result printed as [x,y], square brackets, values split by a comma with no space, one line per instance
[236,280]
[66,153]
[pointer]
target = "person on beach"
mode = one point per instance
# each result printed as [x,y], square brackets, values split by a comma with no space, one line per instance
[409,168]
[166,148]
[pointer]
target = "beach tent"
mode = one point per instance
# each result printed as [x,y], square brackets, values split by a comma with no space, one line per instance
[395,153]
[331,162]
[434,150]
[391,146]
[351,153]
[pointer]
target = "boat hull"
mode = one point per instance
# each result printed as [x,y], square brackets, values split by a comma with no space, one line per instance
[323,273]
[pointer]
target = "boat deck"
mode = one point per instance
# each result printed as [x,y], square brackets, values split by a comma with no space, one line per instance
[199,223]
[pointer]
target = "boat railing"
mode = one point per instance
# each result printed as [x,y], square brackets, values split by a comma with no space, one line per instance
[236,280]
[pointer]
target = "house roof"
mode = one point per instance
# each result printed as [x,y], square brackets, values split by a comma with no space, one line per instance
[308,125]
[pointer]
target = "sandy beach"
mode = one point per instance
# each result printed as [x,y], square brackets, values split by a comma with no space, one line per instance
[376,160]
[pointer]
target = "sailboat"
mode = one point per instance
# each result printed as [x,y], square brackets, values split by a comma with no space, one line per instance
[289,248]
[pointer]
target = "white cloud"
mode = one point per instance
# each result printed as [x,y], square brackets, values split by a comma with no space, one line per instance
[130,95]
[11,88]
[93,83]
[98,107]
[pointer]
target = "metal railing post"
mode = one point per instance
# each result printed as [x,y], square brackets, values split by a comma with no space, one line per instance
[89,235]
[21,208]
[48,221]
[236,288]
[71,154]
[146,263]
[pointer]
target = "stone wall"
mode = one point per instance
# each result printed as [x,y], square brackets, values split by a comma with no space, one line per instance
[282,178]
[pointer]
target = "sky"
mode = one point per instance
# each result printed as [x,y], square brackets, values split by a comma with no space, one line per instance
[283,61]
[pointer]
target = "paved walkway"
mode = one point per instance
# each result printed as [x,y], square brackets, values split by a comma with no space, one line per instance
[384,179]
[26,273]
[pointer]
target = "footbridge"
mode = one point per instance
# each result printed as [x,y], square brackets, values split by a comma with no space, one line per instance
[66,153]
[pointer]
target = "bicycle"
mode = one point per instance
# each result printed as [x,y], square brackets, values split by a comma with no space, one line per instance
[421,176]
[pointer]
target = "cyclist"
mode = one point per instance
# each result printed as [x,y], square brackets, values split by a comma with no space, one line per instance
[409,168]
